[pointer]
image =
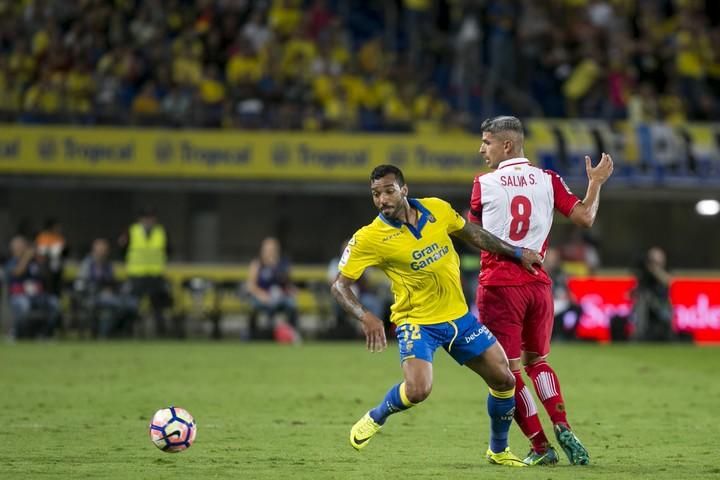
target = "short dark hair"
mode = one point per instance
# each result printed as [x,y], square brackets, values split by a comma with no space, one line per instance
[381,170]
[503,123]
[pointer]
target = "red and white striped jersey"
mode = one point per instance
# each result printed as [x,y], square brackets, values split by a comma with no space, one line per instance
[516,203]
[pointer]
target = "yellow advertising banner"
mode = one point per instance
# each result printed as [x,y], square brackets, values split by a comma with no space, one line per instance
[333,157]
[233,155]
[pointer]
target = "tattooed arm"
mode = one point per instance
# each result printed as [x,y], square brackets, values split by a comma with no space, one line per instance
[479,237]
[371,325]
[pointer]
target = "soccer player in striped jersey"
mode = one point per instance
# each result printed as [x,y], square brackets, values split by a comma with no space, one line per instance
[410,242]
[516,202]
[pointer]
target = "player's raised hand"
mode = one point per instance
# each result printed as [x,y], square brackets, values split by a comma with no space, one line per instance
[530,258]
[374,332]
[602,171]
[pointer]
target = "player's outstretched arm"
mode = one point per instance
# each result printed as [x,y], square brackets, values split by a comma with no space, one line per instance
[479,237]
[371,325]
[585,212]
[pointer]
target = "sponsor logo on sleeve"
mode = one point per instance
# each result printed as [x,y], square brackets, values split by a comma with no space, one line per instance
[345,256]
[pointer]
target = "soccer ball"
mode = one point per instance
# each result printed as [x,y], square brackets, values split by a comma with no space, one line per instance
[172,429]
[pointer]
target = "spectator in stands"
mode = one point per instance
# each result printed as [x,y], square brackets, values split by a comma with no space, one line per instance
[643,104]
[80,87]
[397,111]
[146,105]
[346,327]
[52,250]
[270,287]
[429,111]
[44,97]
[212,97]
[319,18]
[110,307]
[147,249]
[692,47]
[176,106]
[256,30]
[35,310]
[580,254]
[582,82]
[652,311]
[244,67]
[90,63]
[285,16]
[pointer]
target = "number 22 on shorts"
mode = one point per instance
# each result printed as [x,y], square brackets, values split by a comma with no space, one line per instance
[410,332]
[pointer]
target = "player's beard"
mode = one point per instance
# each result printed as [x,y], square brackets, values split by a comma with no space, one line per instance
[389,211]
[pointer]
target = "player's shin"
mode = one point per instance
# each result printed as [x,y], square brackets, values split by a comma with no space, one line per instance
[547,387]
[395,400]
[501,407]
[526,415]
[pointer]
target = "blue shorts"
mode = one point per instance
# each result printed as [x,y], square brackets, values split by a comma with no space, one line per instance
[463,338]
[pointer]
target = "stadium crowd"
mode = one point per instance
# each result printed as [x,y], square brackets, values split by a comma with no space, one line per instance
[356,65]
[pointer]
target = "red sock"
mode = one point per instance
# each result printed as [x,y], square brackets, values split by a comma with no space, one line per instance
[526,415]
[547,387]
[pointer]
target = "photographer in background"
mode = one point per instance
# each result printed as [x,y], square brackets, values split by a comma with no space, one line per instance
[652,311]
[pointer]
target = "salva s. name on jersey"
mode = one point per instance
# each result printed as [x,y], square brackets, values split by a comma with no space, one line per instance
[517,180]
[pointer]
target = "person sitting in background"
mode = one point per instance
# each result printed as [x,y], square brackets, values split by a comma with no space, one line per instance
[652,311]
[579,254]
[269,286]
[345,326]
[27,290]
[111,309]
[52,248]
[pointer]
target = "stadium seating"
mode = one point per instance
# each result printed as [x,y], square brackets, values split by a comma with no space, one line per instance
[212,292]
[293,64]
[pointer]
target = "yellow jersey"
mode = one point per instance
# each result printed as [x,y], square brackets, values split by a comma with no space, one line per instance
[421,262]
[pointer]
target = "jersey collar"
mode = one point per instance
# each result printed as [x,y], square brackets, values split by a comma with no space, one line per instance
[513,161]
[425,215]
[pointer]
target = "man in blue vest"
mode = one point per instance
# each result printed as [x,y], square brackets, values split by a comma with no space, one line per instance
[147,249]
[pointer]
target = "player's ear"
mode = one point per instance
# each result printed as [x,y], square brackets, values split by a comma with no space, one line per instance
[404,190]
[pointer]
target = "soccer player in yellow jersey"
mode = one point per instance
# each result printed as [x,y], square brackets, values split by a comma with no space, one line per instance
[410,242]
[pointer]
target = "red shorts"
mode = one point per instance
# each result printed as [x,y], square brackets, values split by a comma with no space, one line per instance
[521,317]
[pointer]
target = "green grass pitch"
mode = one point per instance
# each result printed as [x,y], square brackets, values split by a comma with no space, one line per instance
[81,410]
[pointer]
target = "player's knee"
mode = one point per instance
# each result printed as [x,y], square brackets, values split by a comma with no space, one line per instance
[417,391]
[509,380]
[503,382]
[530,358]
